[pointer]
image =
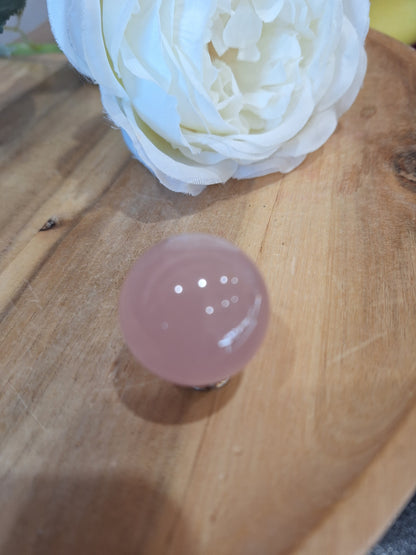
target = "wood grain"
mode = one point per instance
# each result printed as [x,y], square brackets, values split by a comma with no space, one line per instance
[311,449]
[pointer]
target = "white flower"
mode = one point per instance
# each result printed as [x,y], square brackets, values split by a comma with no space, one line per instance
[205,90]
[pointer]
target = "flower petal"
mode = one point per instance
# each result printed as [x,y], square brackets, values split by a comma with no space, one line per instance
[66,20]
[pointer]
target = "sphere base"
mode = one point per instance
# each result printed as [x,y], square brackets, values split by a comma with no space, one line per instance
[210,387]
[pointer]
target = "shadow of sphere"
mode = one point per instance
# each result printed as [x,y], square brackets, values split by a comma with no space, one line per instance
[154,399]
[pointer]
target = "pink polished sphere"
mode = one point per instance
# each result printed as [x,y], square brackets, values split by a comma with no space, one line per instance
[194,309]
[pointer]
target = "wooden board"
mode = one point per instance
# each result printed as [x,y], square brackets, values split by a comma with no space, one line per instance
[312,448]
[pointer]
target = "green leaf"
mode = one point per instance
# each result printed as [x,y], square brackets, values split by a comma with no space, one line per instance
[27,49]
[9,8]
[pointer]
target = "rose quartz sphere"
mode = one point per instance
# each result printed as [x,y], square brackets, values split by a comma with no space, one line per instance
[194,309]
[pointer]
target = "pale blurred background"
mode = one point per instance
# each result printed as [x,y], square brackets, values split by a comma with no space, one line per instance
[34,15]
[396,18]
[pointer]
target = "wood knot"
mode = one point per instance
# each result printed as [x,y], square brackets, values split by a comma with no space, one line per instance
[368,112]
[404,166]
[49,224]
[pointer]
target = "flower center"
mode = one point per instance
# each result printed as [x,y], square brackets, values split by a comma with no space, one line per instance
[239,29]
[259,49]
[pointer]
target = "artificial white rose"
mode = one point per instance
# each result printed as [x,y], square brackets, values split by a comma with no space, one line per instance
[205,90]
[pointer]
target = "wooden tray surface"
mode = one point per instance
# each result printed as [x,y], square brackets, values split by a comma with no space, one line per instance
[312,448]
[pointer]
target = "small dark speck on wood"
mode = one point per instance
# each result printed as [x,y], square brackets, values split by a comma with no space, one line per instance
[49,224]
